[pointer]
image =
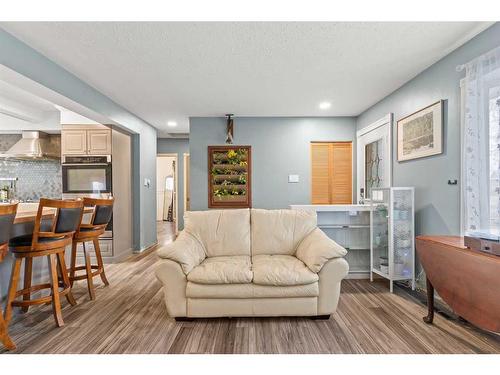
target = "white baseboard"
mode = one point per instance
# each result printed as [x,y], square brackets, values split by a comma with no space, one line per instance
[357,276]
[143,249]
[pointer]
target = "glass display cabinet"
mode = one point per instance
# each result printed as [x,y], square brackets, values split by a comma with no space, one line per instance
[392,234]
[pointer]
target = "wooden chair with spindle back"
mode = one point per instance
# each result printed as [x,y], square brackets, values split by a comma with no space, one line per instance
[103,211]
[7,216]
[50,243]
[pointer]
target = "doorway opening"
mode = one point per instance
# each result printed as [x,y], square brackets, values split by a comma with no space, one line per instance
[166,190]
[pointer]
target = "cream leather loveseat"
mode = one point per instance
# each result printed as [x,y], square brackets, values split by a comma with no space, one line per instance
[251,262]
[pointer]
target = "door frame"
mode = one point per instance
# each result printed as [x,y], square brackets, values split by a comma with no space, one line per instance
[385,121]
[176,187]
[186,188]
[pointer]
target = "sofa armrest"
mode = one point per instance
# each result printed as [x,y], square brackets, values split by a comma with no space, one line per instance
[317,248]
[174,283]
[330,277]
[185,250]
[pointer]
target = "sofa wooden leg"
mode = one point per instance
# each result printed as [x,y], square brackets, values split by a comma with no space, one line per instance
[183,319]
[320,317]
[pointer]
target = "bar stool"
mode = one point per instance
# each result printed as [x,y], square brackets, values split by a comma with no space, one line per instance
[45,243]
[7,216]
[103,210]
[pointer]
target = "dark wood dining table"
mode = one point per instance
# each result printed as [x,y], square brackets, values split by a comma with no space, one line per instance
[467,280]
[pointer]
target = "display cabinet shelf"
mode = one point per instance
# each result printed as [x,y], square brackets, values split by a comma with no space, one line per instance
[349,226]
[343,226]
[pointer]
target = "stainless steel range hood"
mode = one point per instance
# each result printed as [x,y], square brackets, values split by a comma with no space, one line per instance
[33,145]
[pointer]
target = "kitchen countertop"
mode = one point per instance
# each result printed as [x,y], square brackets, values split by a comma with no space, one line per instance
[27,212]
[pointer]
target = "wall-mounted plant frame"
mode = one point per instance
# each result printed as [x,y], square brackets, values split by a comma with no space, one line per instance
[229,176]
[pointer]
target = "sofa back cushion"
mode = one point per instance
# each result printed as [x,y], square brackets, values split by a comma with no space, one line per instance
[280,231]
[222,232]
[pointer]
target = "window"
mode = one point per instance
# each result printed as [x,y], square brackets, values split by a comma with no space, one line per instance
[481,145]
[494,159]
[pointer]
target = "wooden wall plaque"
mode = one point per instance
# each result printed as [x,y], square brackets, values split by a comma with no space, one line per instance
[229,176]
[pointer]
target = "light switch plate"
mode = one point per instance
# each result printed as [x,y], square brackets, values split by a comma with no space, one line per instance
[293,178]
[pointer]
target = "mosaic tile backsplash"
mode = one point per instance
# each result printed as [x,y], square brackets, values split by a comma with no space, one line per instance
[37,178]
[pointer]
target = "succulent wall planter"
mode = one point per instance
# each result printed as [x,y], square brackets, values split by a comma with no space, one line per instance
[229,176]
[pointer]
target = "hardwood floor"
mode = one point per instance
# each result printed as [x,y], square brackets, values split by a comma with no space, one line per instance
[129,316]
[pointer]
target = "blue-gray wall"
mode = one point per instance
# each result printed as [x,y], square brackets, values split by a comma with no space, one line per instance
[144,197]
[437,203]
[280,146]
[24,60]
[179,147]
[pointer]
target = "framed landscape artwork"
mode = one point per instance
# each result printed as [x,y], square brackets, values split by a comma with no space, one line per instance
[421,133]
[229,177]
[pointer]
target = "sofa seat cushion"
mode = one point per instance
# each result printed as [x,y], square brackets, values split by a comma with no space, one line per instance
[223,270]
[195,290]
[281,270]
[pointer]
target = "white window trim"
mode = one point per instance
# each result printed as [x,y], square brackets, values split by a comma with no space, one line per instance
[462,127]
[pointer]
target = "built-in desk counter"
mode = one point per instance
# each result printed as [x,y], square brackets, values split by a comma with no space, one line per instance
[331,207]
[349,226]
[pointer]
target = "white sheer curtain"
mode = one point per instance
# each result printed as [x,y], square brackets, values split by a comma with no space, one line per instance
[481,144]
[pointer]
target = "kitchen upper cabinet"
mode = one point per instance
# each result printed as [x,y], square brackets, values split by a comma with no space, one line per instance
[85,141]
[74,142]
[99,142]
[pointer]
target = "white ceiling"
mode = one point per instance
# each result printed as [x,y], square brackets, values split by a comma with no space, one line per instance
[170,71]
[10,93]
[21,109]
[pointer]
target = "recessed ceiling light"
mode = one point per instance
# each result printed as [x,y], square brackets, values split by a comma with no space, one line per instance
[325,105]
[172,124]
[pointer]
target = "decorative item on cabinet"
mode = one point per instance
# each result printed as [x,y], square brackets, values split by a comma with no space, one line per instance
[229,177]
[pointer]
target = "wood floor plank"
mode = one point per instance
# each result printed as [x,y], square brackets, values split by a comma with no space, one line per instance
[130,316]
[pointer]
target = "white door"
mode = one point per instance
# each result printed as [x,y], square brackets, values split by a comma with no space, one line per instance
[374,156]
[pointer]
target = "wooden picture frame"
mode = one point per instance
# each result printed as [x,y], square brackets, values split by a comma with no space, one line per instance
[229,176]
[420,134]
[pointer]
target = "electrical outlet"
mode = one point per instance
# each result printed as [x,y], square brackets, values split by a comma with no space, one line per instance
[293,178]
